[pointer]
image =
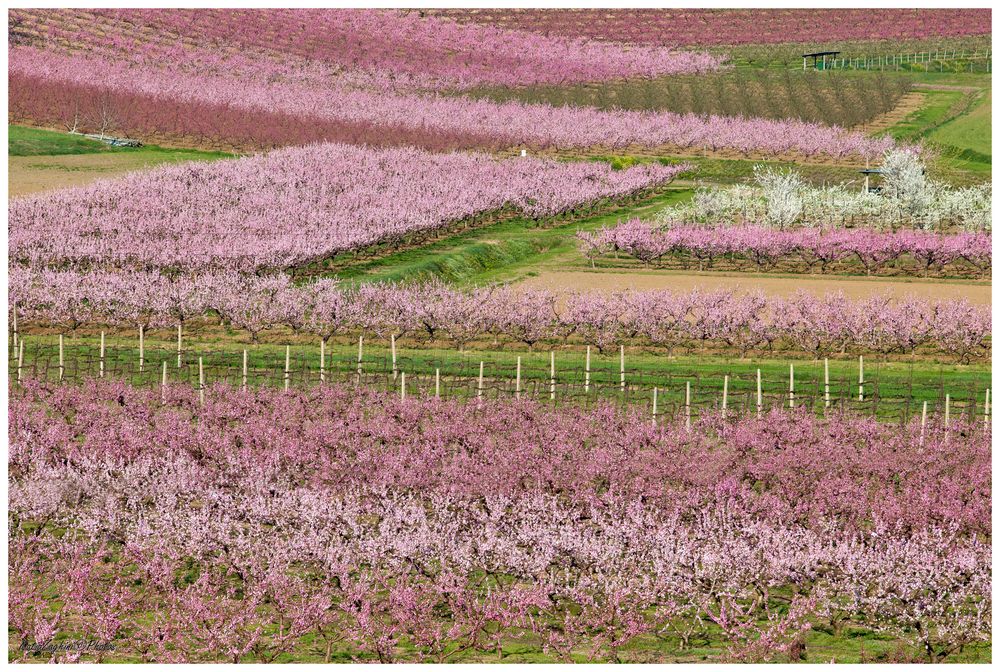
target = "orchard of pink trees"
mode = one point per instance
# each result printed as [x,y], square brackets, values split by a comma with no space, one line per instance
[291,207]
[359,158]
[251,524]
[816,249]
[728,27]
[51,88]
[745,322]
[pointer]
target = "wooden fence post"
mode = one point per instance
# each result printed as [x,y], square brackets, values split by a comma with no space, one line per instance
[687,405]
[791,386]
[760,398]
[479,385]
[244,368]
[725,394]
[402,386]
[62,360]
[517,379]
[861,377]
[288,353]
[142,348]
[826,382]
[923,423]
[437,383]
[201,382]
[392,345]
[622,368]
[552,374]
[102,356]
[361,339]
[986,410]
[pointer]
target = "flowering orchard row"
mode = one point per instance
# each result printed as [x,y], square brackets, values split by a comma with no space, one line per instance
[783,199]
[706,27]
[401,45]
[767,247]
[205,106]
[745,322]
[254,526]
[298,205]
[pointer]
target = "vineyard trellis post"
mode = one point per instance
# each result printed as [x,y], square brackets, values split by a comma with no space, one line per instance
[861,377]
[517,379]
[791,386]
[725,393]
[552,375]
[986,410]
[437,383]
[687,405]
[479,385]
[180,329]
[288,355]
[62,359]
[947,416]
[760,398]
[163,383]
[15,326]
[654,407]
[826,382]
[142,348]
[361,340]
[586,372]
[622,368]
[402,386]
[923,422]
[244,368]
[392,345]
[101,372]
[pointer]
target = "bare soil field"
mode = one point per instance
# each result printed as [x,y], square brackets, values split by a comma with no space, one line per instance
[31,174]
[908,104]
[854,288]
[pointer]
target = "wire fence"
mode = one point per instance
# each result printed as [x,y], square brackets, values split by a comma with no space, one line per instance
[667,391]
[938,60]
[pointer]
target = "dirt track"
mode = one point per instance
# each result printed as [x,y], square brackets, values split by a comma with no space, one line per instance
[853,287]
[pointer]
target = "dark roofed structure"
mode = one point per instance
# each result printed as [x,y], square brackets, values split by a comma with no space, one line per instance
[817,63]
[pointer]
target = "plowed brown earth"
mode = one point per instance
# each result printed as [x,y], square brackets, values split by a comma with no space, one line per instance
[31,174]
[906,106]
[852,287]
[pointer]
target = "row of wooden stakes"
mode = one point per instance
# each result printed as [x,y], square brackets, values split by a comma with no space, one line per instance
[401,376]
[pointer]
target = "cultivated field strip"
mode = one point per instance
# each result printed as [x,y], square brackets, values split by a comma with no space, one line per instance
[860,386]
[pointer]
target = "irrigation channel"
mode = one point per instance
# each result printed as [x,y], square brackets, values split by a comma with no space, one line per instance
[669,389]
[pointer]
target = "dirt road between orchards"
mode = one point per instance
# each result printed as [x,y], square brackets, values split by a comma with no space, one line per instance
[853,287]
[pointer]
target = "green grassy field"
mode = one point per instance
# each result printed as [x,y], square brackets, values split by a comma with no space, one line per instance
[955,122]
[893,389]
[483,254]
[972,130]
[24,141]
[854,644]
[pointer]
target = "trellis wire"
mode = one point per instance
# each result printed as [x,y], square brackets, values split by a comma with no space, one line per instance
[677,392]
